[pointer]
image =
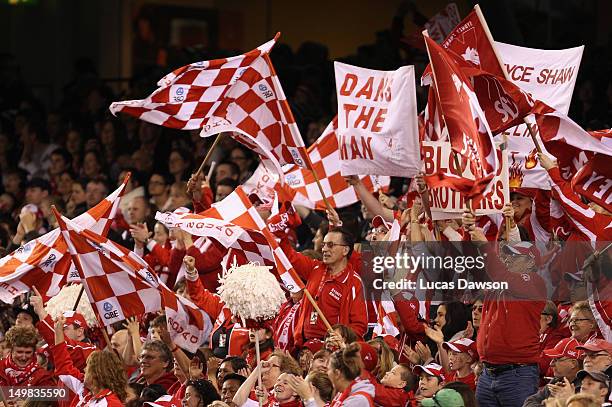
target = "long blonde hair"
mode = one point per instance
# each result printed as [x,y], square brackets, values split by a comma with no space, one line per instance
[105,371]
[386,358]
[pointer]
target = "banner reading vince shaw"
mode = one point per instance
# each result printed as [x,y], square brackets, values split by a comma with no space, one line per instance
[377,121]
[438,155]
[549,75]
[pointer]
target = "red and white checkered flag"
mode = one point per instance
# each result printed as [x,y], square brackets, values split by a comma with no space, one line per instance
[324,155]
[245,245]
[44,262]
[240,94]
[237,208]
[120,284]
[300,184]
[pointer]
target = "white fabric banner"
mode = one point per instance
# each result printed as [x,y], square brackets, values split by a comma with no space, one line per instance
[377,121]
[549,75]
[438,155]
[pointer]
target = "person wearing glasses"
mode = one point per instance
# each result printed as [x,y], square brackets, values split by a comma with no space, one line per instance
[155,364]
[511,372]
[582,323]
[597,356]
[566,362]
[334,284]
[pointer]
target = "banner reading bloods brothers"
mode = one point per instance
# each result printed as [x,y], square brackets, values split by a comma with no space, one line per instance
[377,121]
[437,155]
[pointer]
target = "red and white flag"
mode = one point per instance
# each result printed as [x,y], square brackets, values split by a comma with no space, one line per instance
[44,262]
[386,318]
[237,208]
[244,245]
[469,132]
[569,143]
[120,284]
[469,41]
[325,158]
[241,94]
[594,181]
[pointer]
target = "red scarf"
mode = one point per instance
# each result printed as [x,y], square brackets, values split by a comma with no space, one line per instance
[16,375]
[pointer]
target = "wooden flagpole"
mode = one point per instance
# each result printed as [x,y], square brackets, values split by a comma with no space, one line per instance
[503,68]
[316,307]
[208,154]
[258,356]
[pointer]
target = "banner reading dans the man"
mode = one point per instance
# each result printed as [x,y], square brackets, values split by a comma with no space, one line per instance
[377,121]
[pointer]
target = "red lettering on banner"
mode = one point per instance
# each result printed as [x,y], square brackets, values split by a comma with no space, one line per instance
[364,117]
[348,108]
[379,120]
[427,154]
[343,151]
[364,151]
[379,91]
[519,73]
[344,89]
[366,90]
[555,76]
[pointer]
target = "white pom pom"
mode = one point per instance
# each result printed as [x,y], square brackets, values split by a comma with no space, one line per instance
[64,301]
[251,291]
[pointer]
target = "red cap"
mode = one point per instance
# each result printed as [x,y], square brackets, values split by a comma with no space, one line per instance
[393,343]
[369,356]
[564,348]
[74,318]
[379,221]
[596,345]
[314,345]
[463,345]
[432,369]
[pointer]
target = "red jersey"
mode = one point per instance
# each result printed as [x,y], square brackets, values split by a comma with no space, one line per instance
[515,310]
[340,297]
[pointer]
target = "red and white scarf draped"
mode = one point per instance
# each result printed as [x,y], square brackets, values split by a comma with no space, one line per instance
[16,375]
[284,332]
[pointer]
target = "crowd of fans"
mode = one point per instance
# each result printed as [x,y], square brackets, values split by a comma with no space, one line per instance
[491,349]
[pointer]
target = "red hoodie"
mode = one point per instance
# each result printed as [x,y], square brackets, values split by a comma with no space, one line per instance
[516,310]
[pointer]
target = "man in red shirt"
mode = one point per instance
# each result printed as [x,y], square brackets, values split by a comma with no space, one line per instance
[333,283]
[511,372]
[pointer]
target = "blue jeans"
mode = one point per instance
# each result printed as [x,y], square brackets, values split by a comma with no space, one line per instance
[507,389]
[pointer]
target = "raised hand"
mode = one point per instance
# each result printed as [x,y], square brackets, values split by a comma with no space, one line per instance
[196,369]
[36,301]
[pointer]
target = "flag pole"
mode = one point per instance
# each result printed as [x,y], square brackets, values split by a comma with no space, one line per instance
[316,307]
[208,154]
[258,356]
[76,303]
[503,68]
